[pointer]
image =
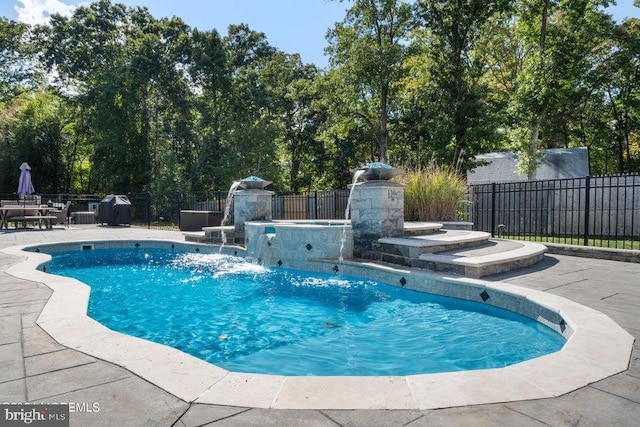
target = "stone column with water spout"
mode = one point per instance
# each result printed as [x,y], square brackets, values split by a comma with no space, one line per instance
[377,210]
[252,203]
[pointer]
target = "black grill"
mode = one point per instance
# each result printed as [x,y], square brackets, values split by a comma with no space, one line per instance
[114,210]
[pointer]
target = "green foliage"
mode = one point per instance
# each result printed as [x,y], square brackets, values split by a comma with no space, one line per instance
[143,103]
[559,44]
[616,79]
[434,193]
[445,58]
[526,147]
[123,64]
[368,49]
[15,69]
[42,134]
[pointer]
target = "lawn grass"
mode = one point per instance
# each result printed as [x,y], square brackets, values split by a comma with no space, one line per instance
[579,241]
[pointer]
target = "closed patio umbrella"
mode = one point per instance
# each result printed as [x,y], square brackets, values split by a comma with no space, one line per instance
[24,185]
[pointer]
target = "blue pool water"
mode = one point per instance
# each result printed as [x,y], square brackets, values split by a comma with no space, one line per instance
[248,318]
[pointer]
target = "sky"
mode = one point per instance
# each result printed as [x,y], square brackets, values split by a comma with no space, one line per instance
[293,26]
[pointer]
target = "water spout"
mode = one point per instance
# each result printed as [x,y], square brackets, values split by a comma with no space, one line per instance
[347,211]
[227,210]
[262,248]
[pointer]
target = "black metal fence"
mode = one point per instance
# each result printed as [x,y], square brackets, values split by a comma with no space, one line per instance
[310,205]
[162,210]
[593,211]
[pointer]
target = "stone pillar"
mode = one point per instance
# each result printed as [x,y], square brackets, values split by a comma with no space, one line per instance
[250,205]
[377,211]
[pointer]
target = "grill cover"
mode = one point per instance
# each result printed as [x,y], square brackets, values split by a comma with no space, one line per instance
[114,210]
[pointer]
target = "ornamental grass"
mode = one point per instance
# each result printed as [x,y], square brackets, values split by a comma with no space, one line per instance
[433,193]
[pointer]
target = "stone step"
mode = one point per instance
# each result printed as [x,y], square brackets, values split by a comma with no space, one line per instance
[194,236]
[495,256]
[210,234]
[414,228]
[458,225]
[402,250]
[217,230]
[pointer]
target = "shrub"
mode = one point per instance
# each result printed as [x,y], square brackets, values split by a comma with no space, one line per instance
[433,194]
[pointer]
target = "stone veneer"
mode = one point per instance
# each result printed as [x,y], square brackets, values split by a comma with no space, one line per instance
[292,244]
[377,211]
[250,205]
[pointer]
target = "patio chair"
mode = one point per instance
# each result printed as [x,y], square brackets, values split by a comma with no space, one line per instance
[62,215]
[30,199]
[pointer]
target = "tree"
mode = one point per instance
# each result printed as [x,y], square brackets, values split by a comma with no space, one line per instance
[210,74]
[368,48]
[119,65]
[292,91]
[456,68]
[250,145]
[345,142]
[41,133]
[617,77]
[10,35]
[559,41]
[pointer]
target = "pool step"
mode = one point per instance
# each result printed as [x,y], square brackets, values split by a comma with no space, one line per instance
[210,234]
[495,256]
[464,252]
[402,250]
[194,236]
[416,228]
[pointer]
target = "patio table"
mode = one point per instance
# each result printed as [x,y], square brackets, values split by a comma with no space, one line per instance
[7,210]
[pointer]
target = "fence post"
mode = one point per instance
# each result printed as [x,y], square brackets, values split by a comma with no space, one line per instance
[315,204]
[587,191]
[181,197]
[493,209]
[148,210]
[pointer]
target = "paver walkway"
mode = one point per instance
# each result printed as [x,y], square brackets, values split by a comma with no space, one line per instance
[34,368]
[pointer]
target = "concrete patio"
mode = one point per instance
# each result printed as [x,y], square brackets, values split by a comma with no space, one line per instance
[33,367]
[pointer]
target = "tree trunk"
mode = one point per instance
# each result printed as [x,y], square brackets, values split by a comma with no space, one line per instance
[535,122]
[383,137]
[533,149]
[619,138]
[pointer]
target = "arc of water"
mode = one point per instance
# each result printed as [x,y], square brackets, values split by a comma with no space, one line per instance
[347,211]
[227,210]
[261,255]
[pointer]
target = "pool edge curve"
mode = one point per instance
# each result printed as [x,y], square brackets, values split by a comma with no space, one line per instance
[597,348]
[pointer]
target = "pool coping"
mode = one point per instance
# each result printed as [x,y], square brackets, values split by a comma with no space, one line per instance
[597,348]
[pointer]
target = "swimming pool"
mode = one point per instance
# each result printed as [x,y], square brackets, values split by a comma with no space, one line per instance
[596,346]
[247,318]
